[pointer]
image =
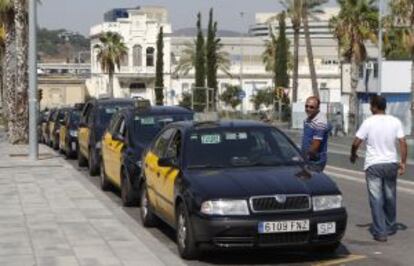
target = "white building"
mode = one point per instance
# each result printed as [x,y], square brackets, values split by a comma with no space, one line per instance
[139,28]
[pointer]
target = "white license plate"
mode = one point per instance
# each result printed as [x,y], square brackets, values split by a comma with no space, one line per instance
[326,228]
[73,146]
[284,226]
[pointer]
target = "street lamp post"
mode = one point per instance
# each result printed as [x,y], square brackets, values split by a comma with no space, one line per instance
[241,60]
[380,46]
[32,64]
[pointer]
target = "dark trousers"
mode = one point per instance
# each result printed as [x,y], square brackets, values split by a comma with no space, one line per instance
[382,190]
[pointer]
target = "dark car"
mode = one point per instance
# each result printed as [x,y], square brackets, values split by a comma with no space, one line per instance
[69,132]
[45,138]
[54,127]
[130,132]
[238,184]
[95,118]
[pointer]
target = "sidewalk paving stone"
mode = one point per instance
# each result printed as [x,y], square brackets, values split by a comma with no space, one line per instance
[52,215]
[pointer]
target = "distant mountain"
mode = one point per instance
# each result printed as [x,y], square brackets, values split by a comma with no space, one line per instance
[192,32]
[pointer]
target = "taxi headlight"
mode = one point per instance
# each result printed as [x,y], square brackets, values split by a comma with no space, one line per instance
[73,133]
[321,203]
[98,145]
[139,164]
[225,207]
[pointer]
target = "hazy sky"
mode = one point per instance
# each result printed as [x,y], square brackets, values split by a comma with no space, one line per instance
[80,15]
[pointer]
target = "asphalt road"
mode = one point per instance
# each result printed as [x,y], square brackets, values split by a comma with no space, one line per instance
[358,247]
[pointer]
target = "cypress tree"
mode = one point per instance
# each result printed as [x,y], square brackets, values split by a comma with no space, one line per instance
[281,55]
[159,71]
[200,73]
[211,55]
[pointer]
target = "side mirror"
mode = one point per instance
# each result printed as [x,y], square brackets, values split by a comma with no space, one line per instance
[118,137]
[62,121]
[168,162]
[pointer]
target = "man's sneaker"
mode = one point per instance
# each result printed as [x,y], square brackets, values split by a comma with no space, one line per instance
[380,238]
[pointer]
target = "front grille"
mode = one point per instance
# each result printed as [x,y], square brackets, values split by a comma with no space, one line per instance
[284,238]
[280,203]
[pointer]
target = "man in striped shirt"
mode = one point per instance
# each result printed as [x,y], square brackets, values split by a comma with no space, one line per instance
[315,135]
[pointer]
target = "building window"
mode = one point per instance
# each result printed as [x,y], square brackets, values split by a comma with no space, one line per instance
[137,55]
[150,56]
[375,70]
[185,87]
[361,71]
[124,59]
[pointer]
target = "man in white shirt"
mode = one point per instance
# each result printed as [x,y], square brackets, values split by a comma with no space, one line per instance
[380,133]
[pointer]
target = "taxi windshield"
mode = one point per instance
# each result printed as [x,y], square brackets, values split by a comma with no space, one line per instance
[243,147]
[75,117]
[146,127]
[108,110]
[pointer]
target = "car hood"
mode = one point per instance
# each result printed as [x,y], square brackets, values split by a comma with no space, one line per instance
[246,182]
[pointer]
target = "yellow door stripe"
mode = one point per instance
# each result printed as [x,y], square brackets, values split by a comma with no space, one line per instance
[344,259]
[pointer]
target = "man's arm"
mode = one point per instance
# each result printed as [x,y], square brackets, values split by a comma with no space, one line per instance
[355,146]
[314,148]
[403,154]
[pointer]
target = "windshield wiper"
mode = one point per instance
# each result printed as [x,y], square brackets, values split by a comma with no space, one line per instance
[205,166]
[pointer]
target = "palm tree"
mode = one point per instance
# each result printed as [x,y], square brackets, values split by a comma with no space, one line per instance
[309,8]
[2,40]
[186,62]
[268,55]
[356,22]
[402,13]
[22,79]
[111,50]
[9,65]
[294,12]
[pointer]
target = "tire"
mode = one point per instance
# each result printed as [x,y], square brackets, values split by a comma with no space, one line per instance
[93,165]
[148,218]
[327,249]
[185,235]
[81,159]
[128,194]
[104,183]
[56,144]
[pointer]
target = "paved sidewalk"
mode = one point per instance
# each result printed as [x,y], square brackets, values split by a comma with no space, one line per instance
[51,215]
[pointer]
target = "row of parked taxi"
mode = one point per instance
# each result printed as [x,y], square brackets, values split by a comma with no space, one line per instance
[219,184]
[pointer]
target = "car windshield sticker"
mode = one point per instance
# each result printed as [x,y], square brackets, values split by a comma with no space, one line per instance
[194,137]
[111,110]
[210,139]
[147,121]
[236,136]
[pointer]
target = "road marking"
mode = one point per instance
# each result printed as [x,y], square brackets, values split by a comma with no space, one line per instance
[346,259]
[359,180]
[362,174]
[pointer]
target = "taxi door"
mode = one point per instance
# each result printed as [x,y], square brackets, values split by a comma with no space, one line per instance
[169,176]
[84,131]
[152,170]
[116,148]
[62,133]
[106,153]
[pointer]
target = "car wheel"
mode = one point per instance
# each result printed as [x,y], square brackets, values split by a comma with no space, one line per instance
[128,195]
[56,144]
[105,185]
[81,159]
[185,235]
[327,249]
[93,163]
[148,219]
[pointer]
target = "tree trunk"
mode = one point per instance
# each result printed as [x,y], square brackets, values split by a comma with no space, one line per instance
[111,85]
[22,115]
[412,96]
[9,78]
[309,51]
[295,73]
[353,101]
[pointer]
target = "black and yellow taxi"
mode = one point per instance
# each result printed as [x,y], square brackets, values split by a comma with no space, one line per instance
[45,126]
[54,127]
[95,118]
[130,132]
[238,184]
[69,132]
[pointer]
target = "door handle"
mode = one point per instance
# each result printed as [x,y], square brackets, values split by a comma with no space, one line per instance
[158,174]
[146,165]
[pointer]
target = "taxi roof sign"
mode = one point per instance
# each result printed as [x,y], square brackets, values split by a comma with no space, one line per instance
[142,103]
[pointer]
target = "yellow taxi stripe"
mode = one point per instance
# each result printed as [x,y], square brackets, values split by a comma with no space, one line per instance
[345,259]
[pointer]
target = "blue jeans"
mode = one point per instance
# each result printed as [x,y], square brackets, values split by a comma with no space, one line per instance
[382,190]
